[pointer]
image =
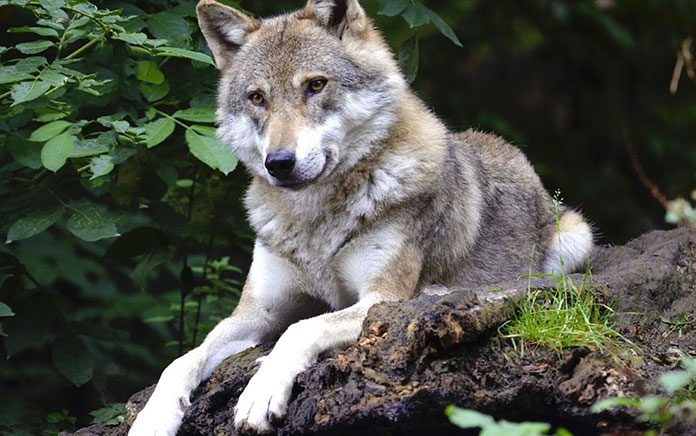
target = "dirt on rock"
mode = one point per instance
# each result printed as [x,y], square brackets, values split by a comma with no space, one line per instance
[416,357]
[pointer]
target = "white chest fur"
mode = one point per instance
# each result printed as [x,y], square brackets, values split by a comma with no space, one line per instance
[336,255]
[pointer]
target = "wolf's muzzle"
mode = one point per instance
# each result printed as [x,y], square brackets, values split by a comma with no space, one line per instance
[280,164]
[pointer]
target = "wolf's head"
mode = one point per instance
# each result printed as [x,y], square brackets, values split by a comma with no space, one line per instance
[304,95]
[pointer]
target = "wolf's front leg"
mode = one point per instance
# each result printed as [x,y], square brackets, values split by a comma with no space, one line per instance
[268,305]
[265,398]
[383,276]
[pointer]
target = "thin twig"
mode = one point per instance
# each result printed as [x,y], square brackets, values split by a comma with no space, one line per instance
[676,74]
[85,47]
[206,264]
[185,273]
[638,168]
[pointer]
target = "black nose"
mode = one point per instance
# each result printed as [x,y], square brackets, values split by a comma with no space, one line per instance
[280,164]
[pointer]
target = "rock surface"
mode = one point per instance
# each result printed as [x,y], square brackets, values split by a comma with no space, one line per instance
[414,358]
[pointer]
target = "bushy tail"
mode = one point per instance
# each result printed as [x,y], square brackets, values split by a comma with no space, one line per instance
[569,245]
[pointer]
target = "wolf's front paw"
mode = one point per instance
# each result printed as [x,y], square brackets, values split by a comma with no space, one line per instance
[264,400]
[160,418]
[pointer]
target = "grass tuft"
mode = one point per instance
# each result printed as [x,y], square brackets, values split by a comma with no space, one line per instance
[567,316]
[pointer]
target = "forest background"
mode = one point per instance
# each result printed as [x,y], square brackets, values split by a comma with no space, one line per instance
[124,240]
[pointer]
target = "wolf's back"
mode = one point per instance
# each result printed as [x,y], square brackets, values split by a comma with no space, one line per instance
[517,217]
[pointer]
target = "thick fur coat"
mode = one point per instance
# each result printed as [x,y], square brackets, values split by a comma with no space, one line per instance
[359,194]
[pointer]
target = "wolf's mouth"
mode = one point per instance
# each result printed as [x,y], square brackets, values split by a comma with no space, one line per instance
[297,185]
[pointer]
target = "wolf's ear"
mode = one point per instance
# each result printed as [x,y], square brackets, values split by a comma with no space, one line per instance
[225,29]
[338,16]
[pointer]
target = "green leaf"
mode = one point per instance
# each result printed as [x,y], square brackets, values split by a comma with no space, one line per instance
[56,151]
[10,75]
[35,222]
[54,78]
[652,403]
[42,31]
[145,268]
[183,53]
[170,26]
[416,15]
[27,91]
[121,126]
[209,131]
[89,147]
[197,115]
[91,221]
[211,152]
[113,414]
[444,28]
[5,310]
[30,64]
[132,38]
[506,428]
[32,326]
[465,418]
[158,319]
[148,71]
[101,166]
[158,130]
[154,92]
[610,403]
[52,4]
[25,152]
[34,46]
[121,154]
[167,174]
[48,131]
[391,8]
[673,381]
[22,70]
[408,58]
[46,115]
[687,362]
[72,359]
[60,417]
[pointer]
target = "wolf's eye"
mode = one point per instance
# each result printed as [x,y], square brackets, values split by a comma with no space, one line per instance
[257,98]
[316,86]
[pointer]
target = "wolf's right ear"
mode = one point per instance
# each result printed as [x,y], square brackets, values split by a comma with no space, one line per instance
[225,29]
[337,16]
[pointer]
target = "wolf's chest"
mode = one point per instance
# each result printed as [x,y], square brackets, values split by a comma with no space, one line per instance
[312,246]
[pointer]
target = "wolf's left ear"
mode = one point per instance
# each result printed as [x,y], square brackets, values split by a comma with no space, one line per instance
[338,16]
[225,29]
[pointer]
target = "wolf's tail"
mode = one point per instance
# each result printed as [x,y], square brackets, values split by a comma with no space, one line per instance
[570,244]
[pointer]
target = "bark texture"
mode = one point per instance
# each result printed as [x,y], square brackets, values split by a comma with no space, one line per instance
[414,358]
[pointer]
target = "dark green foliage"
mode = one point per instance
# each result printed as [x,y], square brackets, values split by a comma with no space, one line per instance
[574,83]
[119,228]
[663,413]
[471,419]
[125,236]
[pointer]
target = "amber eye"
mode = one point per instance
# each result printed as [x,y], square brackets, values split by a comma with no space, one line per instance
[257,98]
[316,86]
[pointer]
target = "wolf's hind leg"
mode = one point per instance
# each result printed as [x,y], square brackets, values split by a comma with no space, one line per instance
[569,245]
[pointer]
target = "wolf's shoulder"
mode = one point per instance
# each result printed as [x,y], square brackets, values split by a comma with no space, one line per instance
[489,145]
[495,154]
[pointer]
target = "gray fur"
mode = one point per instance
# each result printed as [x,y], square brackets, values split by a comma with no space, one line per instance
[382,200]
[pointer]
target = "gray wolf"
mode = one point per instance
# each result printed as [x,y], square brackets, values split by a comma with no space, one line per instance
[359,195]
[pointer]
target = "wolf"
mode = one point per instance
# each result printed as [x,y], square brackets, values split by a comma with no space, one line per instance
[359,195]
